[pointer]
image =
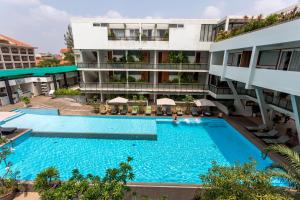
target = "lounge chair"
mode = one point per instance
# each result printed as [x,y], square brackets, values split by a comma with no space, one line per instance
[207,114]
[159,112]
[256,128]
[195,111]
[103,110]
[7,130]
[179,112]
[169,111]
[271,133]
[148,110]
[281,140]
[135,110]
[114,110]
[124,110]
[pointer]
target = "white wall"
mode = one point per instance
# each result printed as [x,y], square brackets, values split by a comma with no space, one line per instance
[188,38]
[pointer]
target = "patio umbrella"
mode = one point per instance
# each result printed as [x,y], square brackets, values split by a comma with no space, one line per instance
[204,103]
[118,100]
[165,102]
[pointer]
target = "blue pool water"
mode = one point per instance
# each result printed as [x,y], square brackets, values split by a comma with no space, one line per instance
[180,154]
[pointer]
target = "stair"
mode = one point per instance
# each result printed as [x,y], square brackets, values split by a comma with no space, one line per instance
[44,88]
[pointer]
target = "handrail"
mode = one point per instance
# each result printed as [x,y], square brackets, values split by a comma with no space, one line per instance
[159,66]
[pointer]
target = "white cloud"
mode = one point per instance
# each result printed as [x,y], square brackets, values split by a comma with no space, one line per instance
[269,6]
[46,12]
[21,2]
[112,14]
[211,12]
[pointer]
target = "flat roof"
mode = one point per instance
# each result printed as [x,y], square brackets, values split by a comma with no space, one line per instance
[36,71]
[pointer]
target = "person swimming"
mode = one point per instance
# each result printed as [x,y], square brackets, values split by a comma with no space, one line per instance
[175,118]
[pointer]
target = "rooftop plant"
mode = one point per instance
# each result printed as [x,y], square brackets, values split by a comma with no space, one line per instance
[259,22]
[65,91]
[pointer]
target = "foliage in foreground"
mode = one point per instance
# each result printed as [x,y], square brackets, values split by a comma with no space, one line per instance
[65,91]
[90,187]
[291,171]
[241,182]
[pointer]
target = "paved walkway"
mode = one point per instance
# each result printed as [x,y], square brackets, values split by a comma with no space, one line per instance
[28,196]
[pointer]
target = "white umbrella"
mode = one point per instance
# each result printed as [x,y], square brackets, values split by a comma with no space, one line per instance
[118,100]
[165,102]
[204,103]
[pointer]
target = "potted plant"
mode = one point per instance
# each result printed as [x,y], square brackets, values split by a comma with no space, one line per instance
[26,101]
[8,183]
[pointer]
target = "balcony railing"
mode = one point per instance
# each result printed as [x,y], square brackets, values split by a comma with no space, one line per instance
[220,90]
[144,87]
[144,66]
[137,38]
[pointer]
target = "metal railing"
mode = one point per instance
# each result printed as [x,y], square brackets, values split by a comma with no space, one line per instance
[137,38]
[149,87]
[164,66]
[219,90]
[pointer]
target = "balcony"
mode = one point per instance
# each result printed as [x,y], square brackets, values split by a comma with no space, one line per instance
[162,88]
[145,67]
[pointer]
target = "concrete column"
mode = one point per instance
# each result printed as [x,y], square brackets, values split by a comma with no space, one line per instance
[263,107]
[8,91]
[296,110]
[237,100]
[83,76]
[127,83]
[225,59]
[155,67]
[66,80]
[252,66]
[54,81]
[226,24]
[98,59]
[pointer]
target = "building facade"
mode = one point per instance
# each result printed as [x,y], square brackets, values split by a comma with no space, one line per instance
[15,54]
[152,57]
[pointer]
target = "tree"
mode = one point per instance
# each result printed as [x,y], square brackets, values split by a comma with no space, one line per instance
[68,36]
[241,182]
[188,99]
[49,63]
[291,170]
[69,57]
[90,187]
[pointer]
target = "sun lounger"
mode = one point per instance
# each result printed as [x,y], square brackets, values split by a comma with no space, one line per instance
[8,130]
[271,133]
[195,111]
[124,111]
[159,112]
[256,128]
[148,110]
[281,140]
[114,111]
[179,112]
[135,110]
[208,114]
[169,111]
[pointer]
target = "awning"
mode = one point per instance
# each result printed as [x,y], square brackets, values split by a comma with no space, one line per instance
[132,26]
[162,26]
[148,26]
[204,103]
[165,102]
[118,100]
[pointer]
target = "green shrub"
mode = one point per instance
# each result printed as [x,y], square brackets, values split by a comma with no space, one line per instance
[65,91]
[131,79]
[25,100]
[241,182]
[90,187]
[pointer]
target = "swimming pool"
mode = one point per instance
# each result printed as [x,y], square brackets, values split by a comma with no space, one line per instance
[180,154]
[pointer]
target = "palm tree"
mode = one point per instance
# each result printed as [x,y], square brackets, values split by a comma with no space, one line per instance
[291,170]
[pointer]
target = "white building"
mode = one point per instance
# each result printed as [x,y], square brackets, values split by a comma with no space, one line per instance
[15,54]
[143,56]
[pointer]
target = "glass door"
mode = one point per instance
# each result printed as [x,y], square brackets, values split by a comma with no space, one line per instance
[284,60]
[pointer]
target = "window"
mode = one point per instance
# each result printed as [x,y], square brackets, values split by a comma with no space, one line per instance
[176,26]
[268,58]
[104,25]
[96,24]
[284,60]
[207,32]
[295,61]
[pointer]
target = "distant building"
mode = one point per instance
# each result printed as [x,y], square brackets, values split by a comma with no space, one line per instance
[63,53]
[43,56]
[15,54]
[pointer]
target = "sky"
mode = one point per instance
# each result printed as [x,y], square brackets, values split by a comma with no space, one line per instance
[42,23]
